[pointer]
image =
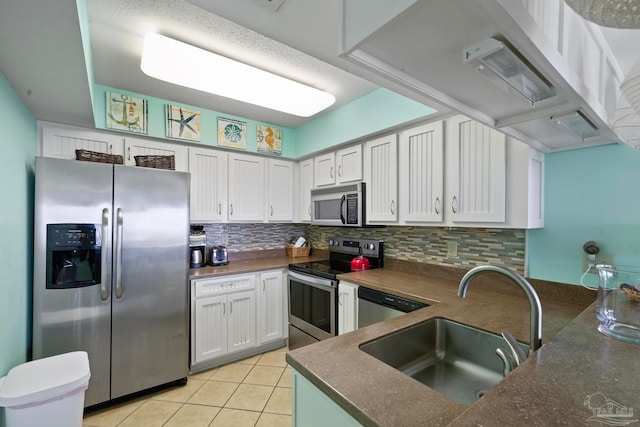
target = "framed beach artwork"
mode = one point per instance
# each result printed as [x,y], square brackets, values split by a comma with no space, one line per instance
[125,112]
[232,133]
[269,140]
[182,123]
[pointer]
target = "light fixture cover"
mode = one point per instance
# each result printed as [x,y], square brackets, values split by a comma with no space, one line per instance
[578,124]
[609,13]
[499,63]
[176,62]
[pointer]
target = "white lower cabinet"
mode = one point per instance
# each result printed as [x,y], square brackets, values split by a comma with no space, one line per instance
[347,307]
[234,317]
[272,305]
[223,316]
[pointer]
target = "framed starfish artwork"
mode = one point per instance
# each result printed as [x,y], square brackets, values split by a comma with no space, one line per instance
[232,133]
[269,140]
[182,123]
[127,113]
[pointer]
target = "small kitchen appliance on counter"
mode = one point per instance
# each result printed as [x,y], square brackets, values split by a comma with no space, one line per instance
[197,247]
[218,256]
[313,289]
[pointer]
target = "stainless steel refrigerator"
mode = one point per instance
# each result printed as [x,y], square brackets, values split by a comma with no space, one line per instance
[110,272]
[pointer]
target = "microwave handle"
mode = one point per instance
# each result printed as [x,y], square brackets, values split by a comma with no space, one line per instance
[343,209]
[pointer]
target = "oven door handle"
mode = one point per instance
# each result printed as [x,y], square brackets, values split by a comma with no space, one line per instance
[310,280]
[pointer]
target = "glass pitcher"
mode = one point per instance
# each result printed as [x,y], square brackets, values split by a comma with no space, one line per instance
[618,304]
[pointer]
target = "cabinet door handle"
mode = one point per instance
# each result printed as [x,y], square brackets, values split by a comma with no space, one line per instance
[331,172]
[224,308]
[437,206]
[340,171]
[340,299]
[271,208]
[264,284]
[393,207]
[219,208]
[230,307]
[110,148]
[454,203]
[129,153]
[231,209]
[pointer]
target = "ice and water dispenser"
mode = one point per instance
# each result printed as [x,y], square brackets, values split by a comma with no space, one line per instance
[73,255]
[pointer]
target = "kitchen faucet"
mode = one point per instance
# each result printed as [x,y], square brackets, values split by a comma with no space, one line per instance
[535,340]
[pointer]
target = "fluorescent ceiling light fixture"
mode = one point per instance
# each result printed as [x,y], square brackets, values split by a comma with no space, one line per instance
[577,124]
[499,63]
[175,62]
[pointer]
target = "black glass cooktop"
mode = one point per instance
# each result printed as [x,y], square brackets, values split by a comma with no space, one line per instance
[317,268]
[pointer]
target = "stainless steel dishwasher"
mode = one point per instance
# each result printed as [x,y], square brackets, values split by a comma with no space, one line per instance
[375,306]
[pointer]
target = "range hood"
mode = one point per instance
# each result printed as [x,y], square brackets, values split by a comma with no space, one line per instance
[443,51]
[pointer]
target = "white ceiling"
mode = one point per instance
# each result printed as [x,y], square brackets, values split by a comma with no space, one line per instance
[41,51]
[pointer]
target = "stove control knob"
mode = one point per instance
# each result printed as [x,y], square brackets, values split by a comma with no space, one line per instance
[332,243]
[369,246]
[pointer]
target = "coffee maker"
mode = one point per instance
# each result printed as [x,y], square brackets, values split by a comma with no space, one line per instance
[197,247]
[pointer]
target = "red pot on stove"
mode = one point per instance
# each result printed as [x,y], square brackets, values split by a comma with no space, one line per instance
[360,263]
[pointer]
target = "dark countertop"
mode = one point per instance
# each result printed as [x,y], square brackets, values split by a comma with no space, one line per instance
[248,262]
[549,388]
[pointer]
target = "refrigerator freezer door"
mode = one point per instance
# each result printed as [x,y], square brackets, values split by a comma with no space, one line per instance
[73,319]
[151,257]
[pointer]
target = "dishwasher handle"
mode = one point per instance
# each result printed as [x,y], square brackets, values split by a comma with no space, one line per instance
[382,298]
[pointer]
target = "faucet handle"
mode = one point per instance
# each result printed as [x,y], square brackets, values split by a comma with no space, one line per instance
[518,353]
[508,363]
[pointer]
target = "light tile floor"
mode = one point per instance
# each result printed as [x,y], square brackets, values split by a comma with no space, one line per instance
[252,392]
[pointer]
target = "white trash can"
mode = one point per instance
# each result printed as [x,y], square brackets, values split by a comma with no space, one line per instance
[46,392]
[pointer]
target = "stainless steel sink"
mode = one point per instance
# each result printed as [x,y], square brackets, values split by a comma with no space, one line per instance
[457,360]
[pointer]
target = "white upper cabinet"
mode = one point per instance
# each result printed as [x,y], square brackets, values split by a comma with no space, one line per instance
[349,164]
[247,188]
[62,141]
[146,147]
[305,181]
[208,170]
[476,170]
[280,206]
[338,167]
[381,177]
[525,186]
[324,169]
[421,174]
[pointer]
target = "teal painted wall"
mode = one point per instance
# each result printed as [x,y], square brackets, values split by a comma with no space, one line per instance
[208,122]
[590,194]
[18,142]
[378,110]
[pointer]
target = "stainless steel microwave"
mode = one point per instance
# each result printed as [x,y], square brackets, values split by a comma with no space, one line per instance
[339,206]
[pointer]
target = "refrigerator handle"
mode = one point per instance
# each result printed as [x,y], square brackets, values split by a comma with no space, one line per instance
[118,253]
[104,275]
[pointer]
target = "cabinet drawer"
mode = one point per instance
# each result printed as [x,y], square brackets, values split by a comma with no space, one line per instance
[223,285]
